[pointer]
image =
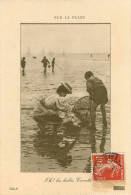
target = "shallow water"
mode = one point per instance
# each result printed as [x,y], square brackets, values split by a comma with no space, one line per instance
[63,150]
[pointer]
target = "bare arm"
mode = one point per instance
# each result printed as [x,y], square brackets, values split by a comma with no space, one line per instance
[89,88]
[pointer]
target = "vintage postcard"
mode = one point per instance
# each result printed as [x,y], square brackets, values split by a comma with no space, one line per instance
[65,97]
[55,103]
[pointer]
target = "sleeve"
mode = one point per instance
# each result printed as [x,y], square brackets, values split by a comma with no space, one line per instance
[60,106]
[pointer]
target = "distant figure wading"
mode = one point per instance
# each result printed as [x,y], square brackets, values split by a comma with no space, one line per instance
[53,64]
[23,62]
[45,62]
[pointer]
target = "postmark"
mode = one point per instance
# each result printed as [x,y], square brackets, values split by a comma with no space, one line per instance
[108,166]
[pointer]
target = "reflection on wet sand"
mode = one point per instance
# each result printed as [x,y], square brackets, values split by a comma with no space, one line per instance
[93,141]
[58,145]
[23,72]
[103,141]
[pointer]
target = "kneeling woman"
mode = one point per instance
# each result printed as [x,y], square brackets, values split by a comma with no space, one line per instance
[47,109]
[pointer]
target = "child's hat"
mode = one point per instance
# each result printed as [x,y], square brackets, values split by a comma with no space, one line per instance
[68,87]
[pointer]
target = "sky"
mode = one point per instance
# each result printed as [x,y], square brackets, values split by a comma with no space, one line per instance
[70,38]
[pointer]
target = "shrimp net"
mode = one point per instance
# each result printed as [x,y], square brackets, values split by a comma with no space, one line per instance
[81,109]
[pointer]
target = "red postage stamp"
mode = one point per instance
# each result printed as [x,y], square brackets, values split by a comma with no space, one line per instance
[108,166]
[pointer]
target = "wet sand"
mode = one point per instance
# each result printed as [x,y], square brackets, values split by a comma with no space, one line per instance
[63,150]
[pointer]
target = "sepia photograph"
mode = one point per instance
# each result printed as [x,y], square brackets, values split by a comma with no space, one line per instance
[65,90]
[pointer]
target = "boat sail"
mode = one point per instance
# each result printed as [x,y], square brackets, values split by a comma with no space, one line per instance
[63,53]
[28,52]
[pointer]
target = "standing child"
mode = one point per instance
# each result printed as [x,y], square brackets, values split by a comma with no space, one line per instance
[53,64]
[98,96]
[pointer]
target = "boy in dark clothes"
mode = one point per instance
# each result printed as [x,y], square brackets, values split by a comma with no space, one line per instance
[98,96]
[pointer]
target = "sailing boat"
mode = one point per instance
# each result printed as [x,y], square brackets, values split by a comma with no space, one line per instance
[43,51]
[28,52]
[63,53]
